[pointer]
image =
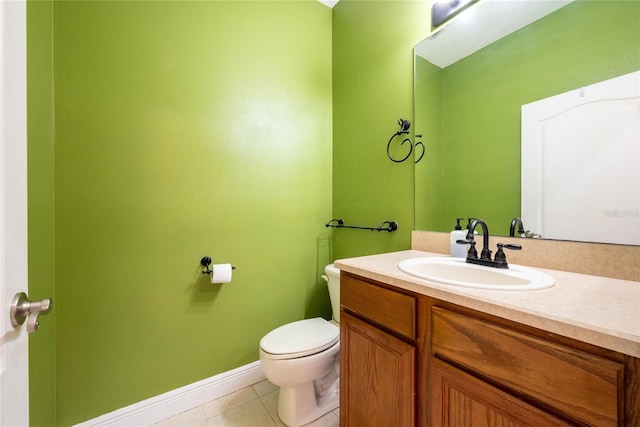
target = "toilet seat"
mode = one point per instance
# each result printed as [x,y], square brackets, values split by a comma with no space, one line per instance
[299,339]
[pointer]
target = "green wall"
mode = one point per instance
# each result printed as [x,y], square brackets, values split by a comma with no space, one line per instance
[184,129]
[40,126]
[372,88]
[482,95]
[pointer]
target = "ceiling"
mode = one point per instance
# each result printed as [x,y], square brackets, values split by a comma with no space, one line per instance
[329,3]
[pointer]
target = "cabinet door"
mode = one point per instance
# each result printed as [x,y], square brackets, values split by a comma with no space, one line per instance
[377,376]
[576,384]
[461,400]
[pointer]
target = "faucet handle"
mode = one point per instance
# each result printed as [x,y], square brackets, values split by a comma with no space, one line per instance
[472,253]
[506,246]
[509,246]
[501,258]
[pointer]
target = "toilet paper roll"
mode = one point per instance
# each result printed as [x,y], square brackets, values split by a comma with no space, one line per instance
[221,273]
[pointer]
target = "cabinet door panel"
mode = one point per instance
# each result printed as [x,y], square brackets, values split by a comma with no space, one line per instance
[460,400]
[377,376]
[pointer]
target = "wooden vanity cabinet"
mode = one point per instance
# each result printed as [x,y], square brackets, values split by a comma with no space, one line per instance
[411,360]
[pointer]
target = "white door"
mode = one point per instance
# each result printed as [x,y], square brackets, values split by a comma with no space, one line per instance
[14,396]
[581,163]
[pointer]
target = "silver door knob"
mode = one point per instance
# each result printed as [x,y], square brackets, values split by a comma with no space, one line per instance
[22,308]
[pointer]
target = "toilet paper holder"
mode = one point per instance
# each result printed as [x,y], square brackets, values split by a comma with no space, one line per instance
[206,262]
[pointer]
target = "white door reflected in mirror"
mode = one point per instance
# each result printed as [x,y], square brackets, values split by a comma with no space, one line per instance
[581,163]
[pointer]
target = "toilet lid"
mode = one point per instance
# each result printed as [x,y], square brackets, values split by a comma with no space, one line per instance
[301,338]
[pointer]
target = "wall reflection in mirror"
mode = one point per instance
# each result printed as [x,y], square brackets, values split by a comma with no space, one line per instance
[468,111]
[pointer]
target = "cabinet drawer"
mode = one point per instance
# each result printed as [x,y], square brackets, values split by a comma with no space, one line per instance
[568,381]
[391,310]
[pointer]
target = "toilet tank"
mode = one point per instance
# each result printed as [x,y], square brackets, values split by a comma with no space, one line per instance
[332,276]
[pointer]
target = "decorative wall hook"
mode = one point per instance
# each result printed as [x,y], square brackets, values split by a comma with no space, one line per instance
[423,148]
[404,129]
[404,126]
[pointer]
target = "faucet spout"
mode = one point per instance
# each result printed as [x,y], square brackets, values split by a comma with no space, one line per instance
[516,222]
[486,252]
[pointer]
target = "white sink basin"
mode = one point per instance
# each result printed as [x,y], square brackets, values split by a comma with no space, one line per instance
[457,272]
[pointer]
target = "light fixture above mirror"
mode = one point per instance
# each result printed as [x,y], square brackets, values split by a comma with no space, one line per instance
[444,10]
[492,20]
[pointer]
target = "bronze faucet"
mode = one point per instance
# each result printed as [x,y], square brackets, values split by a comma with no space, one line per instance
[500,260]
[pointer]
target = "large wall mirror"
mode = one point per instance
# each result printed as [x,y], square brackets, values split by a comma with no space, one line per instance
[468,104]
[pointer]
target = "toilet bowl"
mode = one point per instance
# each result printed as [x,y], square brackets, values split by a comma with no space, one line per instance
[303,359]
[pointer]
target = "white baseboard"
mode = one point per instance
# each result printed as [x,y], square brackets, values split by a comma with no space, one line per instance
[163,406]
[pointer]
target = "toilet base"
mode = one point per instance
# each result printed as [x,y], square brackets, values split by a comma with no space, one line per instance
[299,405]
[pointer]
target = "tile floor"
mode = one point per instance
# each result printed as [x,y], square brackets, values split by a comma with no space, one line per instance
[253,406]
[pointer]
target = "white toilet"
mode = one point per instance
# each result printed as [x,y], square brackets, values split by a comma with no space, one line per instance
[303,359]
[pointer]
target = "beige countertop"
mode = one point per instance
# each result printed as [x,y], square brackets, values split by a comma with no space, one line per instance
[597,310]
